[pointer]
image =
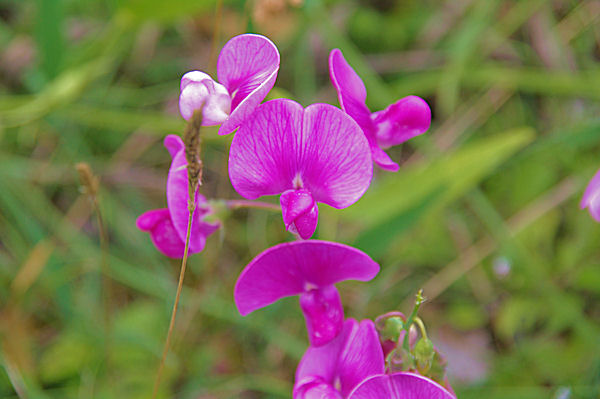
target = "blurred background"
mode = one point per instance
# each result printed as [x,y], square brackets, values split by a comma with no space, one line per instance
[483,213]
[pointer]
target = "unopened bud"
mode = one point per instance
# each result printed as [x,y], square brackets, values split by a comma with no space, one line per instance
[424,353]
[399,360]
[392,328]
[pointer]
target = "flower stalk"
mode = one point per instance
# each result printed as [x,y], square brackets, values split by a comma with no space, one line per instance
[194,168]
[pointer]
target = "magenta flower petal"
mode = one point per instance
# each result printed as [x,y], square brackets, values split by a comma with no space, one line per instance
[200,90]
[399,122]
[247,67]
[316,388]
[308,268]
[300,212]
[400,386]
[158,223]
[591,197]
[406,118]
[324,314]
[345,362]
[177,199]
[284,147]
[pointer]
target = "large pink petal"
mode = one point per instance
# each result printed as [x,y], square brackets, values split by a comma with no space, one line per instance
[295,267]
[247,67]
[158,223]
[336,164]
[347,360]
[285,147]
[400,386]
[323,361]
[177,199]
[362,357]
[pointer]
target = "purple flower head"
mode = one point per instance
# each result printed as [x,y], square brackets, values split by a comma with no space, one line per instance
[591,197]
[247,69]
[402,385]
[408,117]
[311,155]
[309,269]
[338,367]
[168,227]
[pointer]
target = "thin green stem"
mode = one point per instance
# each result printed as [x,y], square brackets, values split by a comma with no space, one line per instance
[421,325]
[237,204]
[175,305]
[420,299]
[106,286]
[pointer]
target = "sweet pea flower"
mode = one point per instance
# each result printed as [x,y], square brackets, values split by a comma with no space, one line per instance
[317,154]
[247,69]
[168,226]
[335,369]
[591,197]
[408,117]
[403,385]
[309,269]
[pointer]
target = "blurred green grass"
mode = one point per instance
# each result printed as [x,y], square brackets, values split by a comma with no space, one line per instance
[483,214]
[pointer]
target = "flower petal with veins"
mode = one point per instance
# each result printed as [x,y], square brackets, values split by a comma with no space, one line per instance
[307,268]
[402,385]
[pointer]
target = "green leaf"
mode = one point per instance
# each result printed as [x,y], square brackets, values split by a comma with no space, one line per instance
[399,200]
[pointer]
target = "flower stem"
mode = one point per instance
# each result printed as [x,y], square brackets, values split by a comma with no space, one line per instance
[237,204]
[419,300]
[175,305]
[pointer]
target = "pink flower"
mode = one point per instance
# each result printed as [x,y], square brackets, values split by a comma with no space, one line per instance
[168,227]
[338,367]
[311,155]
[309,269]
[408,117]
[352,366]
[591,197]
[247,69]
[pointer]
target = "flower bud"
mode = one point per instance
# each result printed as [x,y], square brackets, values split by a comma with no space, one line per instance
[198,90]
[424,354]
[392,328]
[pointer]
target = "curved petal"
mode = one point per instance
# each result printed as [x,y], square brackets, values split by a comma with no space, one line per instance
[247,67]
[177,199]
[285,147]
[400,386]
[315,388]
[300,212]
[345,80]
[336,163]
[591,190]
[352,95]
[406,118]
[295,267]
[362,357]
[158,223]
[347,360]
[262,158]
[200,90]
[323,361]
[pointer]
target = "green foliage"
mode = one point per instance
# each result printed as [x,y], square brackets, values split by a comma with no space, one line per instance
[483,212]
